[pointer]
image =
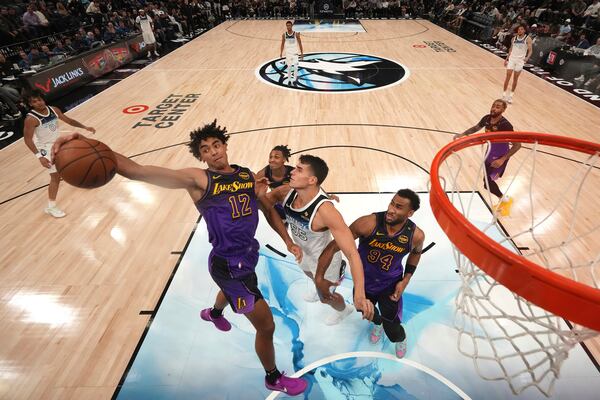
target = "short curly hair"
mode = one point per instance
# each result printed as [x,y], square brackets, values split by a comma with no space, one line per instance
[284,149]
[415,202]
[211,130]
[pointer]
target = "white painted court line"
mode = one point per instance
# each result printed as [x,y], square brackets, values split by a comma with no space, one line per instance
[374,354]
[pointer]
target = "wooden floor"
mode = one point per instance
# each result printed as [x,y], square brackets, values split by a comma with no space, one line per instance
[71,290]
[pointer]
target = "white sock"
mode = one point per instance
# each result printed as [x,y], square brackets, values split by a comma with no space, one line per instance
[51,203]
[511,94]
[505,93]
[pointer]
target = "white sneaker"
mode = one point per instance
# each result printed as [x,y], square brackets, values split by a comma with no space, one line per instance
[338,316]
[509,99]
[376,333]
[55,212]
[401,349]
[311,296]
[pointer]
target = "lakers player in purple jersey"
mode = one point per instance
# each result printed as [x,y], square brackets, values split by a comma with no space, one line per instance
[385,239]
[278,172]
[499,153]
[228,198]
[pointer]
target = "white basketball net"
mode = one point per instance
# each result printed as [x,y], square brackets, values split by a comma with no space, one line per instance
[508,337]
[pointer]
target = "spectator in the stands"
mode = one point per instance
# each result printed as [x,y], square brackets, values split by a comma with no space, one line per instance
[578,7]
[8,94]
[122,29]
[60,48]
[92,9]
[583,42]
[593,50]
[69,46]
[10,31]
[32,22]
[46,51]
[80,43]
[36,57]
[23,63]
[564,30]
[591,13]
[110,34]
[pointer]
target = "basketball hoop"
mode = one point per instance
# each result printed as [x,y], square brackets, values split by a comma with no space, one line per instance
[507,296]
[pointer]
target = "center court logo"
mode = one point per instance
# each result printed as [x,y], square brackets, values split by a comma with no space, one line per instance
[335,72]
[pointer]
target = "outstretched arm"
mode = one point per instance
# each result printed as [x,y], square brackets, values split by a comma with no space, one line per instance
[359,228]
[469,131]
[71,121]
[188,178]
[331,218]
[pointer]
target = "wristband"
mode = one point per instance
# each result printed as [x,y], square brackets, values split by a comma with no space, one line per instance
[410,269]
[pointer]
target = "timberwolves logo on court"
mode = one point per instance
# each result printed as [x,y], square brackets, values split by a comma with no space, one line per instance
[335,72]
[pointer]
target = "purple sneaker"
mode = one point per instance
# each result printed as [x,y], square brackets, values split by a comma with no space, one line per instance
[285,384]
[221,323]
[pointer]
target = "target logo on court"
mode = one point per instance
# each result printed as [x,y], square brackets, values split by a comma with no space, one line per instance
[335,73]
[138,108]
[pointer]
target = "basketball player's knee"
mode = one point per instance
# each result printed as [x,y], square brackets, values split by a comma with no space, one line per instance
[394,331]
[267,328]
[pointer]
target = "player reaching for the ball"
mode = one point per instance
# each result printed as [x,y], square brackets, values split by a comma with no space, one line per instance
[227,195]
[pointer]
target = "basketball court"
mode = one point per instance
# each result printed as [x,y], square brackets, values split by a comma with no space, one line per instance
[104,303]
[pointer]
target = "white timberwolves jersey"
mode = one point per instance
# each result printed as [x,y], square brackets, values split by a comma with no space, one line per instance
[46,132]
[519,48]
[291,43]
[311,242]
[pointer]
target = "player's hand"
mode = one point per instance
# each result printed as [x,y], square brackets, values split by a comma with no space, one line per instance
[398,291]
[64,139]
[296,251]
[45,162]
[324,288]
[498,162]
[333,197]
[90,129]
[365,306]
[262,185]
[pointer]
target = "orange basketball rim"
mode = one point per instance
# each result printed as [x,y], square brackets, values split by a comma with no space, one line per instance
[562,296]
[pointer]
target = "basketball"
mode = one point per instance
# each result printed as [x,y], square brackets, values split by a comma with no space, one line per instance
[85,163]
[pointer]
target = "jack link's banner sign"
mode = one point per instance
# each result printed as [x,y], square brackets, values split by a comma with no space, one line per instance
[77,71]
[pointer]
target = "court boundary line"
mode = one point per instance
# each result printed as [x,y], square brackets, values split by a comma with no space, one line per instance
[154,311]
[417,20]
[375,354]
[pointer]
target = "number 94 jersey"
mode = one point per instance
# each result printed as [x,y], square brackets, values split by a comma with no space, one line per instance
[229,207]
[382,255]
